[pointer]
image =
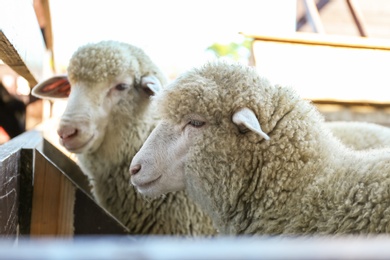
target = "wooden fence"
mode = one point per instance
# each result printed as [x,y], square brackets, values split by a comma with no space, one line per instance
[43,192]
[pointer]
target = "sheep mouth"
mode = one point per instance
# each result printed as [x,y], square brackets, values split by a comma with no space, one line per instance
[146,185]
[75,147]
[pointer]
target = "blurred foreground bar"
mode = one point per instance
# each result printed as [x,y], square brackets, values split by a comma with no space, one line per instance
[202,248]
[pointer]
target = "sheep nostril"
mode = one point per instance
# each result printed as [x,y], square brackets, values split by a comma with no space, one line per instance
[135,169]
[67,133]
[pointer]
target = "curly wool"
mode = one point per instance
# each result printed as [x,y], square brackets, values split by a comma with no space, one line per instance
[361,135]
[108,60]
[107,167]
[301,181]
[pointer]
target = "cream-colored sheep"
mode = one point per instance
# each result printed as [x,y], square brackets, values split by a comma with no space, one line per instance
[259,159]
[361,135]
[107,118]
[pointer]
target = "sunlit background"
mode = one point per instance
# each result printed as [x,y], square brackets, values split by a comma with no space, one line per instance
[175,33]
[180,34]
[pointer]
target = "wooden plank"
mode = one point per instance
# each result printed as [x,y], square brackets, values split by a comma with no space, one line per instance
[324,40]
[48,25]
[67,165]
[21,43]
[85,205]
[61,197]
[25,190]
[53,201]
[88,217]
[372,103]
[10,169]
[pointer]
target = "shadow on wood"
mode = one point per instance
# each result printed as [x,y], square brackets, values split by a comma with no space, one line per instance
[43,192]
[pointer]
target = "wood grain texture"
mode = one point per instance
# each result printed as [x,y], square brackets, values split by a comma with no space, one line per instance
[89,217]
[25,189]
[10,170]
[53,201]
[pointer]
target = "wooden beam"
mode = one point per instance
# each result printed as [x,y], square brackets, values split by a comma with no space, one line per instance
[48,25]
[42,10]
[22,46]
[325,40]
[357,17]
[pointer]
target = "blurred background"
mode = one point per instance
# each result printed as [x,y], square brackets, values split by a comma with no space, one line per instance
[180,34]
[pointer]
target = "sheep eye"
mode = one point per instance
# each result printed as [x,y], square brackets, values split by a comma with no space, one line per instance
[121,86]
[196,123]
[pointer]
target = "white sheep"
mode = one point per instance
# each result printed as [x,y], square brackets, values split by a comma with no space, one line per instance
[259,159]
[360,135]
[107,118]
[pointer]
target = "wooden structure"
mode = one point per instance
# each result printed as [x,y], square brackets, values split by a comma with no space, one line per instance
[24,52]
[43,192]
[345,77]
[44,195]
[345,17]
[21,43]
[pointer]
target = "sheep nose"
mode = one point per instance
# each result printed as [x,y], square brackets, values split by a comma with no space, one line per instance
[135,169]
[67,132]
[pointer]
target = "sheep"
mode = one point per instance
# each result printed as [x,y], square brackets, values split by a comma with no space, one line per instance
[107,118]
[360,135]
[259,159]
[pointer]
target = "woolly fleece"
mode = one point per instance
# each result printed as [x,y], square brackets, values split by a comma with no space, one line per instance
[301,181]
[130,124]
[361,135]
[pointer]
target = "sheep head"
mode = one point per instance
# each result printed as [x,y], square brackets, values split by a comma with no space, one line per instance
[104,80]
[159,167]
[195,114]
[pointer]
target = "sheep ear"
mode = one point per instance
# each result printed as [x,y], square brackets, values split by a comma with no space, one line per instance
[247,118]
[54,87]
[150,84]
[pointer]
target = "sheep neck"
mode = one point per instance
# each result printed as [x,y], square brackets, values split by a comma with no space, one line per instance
[272,183]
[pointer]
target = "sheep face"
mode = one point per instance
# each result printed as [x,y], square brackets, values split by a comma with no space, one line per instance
[108,83]
[90,105]
[186,145]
